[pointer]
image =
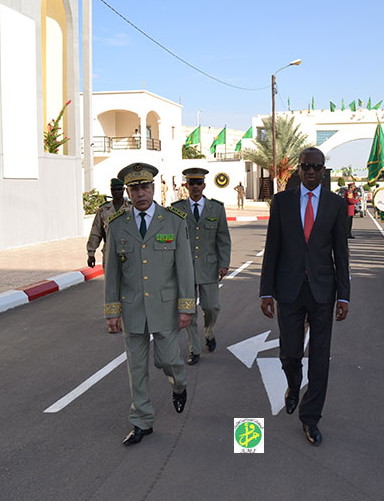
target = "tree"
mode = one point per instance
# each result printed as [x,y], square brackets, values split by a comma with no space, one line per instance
[191,152]
[289,142]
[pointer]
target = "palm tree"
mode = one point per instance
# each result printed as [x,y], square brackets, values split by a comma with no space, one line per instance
[289,142]
[191,152]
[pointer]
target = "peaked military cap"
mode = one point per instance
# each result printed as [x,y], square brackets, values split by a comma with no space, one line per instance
[137,173]
[116,183]
[195,173]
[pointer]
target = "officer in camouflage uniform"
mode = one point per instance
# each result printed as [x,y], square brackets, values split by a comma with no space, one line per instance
[149,283]
[211,250]
[100,222]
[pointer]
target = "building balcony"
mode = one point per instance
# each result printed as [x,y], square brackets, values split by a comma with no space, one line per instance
[105,144]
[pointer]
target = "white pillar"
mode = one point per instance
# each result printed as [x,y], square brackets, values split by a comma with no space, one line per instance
[87,95]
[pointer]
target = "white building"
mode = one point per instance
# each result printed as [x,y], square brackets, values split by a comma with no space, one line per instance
[116,117]
[40,193]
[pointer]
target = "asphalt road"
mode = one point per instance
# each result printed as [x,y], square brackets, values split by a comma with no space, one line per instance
[52,345]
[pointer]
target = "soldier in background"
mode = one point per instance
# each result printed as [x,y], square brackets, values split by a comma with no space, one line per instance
[100,222]
[211,250]
[149,285]
[240,195]
[164,191]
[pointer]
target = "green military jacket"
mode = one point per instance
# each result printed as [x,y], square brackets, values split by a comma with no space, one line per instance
[209,238]
[149,280]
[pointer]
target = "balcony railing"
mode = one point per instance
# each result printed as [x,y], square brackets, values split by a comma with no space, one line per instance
[229,155]
[105,144]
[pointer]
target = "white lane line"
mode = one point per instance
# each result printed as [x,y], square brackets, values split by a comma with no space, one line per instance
[239,270]
[376,223]
[91,381]
[88,383]
[261,253]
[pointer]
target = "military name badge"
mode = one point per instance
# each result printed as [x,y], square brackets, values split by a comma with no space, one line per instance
[165,237]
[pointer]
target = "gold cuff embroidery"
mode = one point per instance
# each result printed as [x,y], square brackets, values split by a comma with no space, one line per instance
[112,309]
[187,304]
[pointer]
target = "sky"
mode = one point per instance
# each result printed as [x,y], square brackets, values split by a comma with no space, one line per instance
[243,44]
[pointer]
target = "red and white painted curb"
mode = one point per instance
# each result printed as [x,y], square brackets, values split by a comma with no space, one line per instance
[24,295]
[246,218]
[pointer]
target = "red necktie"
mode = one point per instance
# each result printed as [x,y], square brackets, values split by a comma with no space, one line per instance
[308,217]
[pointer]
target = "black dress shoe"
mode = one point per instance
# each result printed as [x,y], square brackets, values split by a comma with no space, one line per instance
[313,434]
[211,344]
[193,359]
[291,400]
[179,400]
[351,236]
[136,435]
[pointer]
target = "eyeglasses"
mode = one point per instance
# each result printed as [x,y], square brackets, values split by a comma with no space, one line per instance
[199,182]
[315,167]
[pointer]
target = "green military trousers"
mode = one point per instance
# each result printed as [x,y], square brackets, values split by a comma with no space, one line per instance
[209,302]
[167,357]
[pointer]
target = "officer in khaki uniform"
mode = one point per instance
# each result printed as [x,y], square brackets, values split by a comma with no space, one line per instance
[149,283]
[211,250]
[100,222]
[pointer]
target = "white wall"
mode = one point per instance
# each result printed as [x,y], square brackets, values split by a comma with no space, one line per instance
[40,193]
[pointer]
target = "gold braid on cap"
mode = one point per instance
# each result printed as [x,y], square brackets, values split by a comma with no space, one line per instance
[138,176]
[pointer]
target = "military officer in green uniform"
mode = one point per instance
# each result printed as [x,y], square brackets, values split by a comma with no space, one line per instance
[211,250]
[149,284]
[100,222]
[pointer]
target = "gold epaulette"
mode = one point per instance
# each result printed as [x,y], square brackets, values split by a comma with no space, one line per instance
[177,211]
[218,201]
[120,212]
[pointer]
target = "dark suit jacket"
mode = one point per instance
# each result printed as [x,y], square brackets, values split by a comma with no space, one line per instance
[288,258]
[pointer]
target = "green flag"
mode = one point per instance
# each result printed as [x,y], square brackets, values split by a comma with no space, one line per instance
[377,106]
[376,158]
[221,138]
[369,104]
[313,103]
[193,138]
[352,105]
[246,135]
[342,105]
[332,106]
[360,103]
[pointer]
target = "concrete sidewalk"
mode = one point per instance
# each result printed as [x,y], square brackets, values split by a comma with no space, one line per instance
[27,273]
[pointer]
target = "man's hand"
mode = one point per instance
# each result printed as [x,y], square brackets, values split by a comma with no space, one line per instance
[184,320]
[268,306]
[222,273]
[114,325]
[91,261]
[341,310]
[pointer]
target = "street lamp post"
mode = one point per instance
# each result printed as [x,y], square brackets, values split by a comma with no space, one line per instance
[274,92]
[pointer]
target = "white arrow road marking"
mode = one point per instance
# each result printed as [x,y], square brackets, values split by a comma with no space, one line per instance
[272,375]
[275,381]
[247,351]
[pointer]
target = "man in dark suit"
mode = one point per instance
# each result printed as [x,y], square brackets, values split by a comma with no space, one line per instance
[305,268]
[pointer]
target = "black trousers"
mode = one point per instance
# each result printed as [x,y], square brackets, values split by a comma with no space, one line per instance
[291,318]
